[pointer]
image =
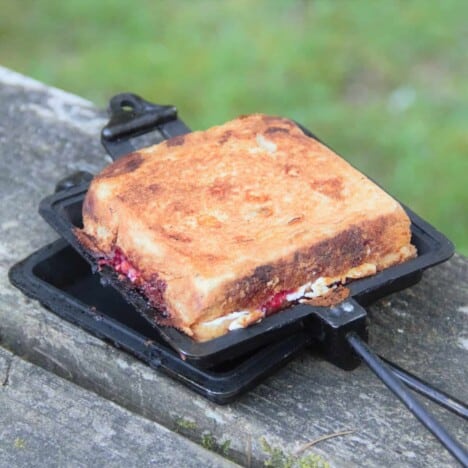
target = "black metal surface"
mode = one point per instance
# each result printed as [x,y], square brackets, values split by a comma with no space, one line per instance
[131,117]
[63,212]
[71,181]
[62,281]
[60,278]
[437,396]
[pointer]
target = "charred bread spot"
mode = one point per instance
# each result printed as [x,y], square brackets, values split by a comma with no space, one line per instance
[247,292]
[176,141]
[273,130]
[179,237]
[295,220]
[154,290]
[291,170]
[225,137]
[242,239]
[133,162]
[133,195]
[376,229]
[353,247]
[124,165]
[220,189]
[299,257]
[87,240]
[378,226]
[252,291]
[332,187]
[339,253]
[154,188]
[89,206]
[263,273]
[179,207]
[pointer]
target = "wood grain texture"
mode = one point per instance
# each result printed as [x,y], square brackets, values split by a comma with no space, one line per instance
[48,421]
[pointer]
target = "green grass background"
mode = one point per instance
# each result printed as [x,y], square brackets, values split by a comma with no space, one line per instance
[385,83]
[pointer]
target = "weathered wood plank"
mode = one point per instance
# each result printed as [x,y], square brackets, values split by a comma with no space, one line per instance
[48,421]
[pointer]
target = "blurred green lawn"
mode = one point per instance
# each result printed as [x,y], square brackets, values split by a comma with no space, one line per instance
[384,83]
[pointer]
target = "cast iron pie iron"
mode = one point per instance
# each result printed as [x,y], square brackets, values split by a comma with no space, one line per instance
[339,332]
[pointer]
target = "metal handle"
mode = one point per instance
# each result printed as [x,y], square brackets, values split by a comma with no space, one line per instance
[393,383]
[437,396]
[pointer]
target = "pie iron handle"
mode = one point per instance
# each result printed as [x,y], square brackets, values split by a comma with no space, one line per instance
[135,123]
[341,334]
[398,385]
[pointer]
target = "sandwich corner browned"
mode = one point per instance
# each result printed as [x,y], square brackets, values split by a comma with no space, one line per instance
[220,228]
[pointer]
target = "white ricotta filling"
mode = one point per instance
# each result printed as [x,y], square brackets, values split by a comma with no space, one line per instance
[320,287]
[227,318]
[235,319]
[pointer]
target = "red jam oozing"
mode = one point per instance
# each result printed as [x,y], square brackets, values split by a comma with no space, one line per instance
[153,289]
[119,262]
[275,302]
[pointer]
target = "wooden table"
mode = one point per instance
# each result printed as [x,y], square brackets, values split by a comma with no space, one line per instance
[46,134]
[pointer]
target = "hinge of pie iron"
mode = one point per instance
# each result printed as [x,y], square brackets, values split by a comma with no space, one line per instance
[135,123]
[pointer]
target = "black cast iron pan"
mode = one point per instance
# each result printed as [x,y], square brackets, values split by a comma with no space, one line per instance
[338,331]
[133,118]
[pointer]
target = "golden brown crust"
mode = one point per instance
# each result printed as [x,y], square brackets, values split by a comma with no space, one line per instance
[232,215]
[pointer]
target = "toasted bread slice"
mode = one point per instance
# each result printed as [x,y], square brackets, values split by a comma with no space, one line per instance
[221,227]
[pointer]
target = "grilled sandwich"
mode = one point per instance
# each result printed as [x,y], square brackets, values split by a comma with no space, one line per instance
[220,228]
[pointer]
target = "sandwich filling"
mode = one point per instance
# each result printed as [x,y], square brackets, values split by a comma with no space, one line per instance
[312,292]
[154,292]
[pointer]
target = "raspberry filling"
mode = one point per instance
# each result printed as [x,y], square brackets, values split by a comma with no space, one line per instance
[275,302]
[153,289]
[120,263]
